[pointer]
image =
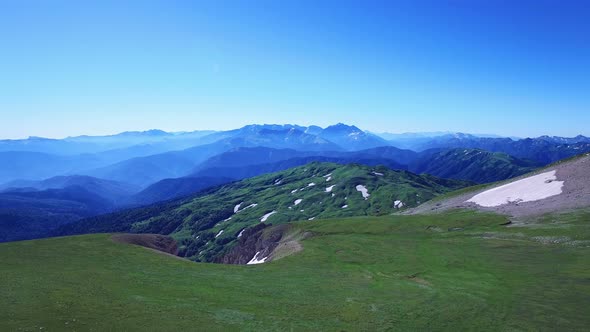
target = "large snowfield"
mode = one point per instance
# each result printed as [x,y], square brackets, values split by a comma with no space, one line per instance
[530,189]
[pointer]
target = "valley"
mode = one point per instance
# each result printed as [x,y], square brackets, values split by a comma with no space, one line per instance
[121,171]
[294,166]
[272,237]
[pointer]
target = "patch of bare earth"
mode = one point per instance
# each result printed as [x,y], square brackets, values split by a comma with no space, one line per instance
[575,194]
[289,245]
[161,243]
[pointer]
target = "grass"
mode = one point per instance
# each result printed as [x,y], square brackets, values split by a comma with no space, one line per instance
[195,222]
[453,271]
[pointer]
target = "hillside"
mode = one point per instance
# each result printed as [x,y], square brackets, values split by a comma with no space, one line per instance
[561,186]
[243,162]
[113,191]
[174,188]
[471,164]
[452,272]
[207,225]
[33,214]
[541,150]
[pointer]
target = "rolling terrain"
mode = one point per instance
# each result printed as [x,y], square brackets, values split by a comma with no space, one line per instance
[32,214]
[138,168]
[451,271]
[208,225]
[471,164]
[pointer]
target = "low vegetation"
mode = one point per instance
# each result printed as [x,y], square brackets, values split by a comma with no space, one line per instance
[452,271]
[314,191]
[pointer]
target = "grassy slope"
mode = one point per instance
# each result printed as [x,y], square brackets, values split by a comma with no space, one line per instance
[316,202]
[393,272]
[194,222]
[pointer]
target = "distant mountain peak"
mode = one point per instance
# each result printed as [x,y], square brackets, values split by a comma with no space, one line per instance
[150,132]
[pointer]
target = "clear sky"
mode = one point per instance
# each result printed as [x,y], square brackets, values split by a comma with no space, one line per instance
[518,68]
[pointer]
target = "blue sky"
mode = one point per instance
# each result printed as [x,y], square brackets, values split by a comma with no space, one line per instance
[96,67]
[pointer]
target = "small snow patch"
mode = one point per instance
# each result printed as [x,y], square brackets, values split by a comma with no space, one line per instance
[312,218]
[241,233]
[237,207]
[311,184]
[249,207]
[294,191]
[530,189]
[363,191]
[398,204]
[255,259]
[329,189]
[220,232]
[265,217]
[297,202]
[377,173]
[345,206]
[329,179]
[327,175]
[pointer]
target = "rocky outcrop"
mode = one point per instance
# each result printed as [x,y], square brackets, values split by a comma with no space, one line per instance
[260,239]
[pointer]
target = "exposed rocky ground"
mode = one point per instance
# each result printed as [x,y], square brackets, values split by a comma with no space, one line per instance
[574,173]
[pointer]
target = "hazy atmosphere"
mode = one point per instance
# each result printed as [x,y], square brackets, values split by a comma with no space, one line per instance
[294,165]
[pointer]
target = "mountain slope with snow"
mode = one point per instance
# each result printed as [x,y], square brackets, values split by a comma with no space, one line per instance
[561,186]
[313,191]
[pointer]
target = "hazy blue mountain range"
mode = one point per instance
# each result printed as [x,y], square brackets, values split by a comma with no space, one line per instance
[62,181]
[471,164]
[143,158]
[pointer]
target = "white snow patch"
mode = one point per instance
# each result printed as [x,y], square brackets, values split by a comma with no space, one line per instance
[255,259]
[265,217]
[398,204]
[329,189]
[311,184]
[329,179]
[344,206]
[363,191]
[530,189]
[327,175]
[220,232]
[241,232]
[248,207]
[377,173]
[333,194]
[297,202]
[312,218]
[301,210]
[228,219]
[355,135]
[237,207]
[294,191]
